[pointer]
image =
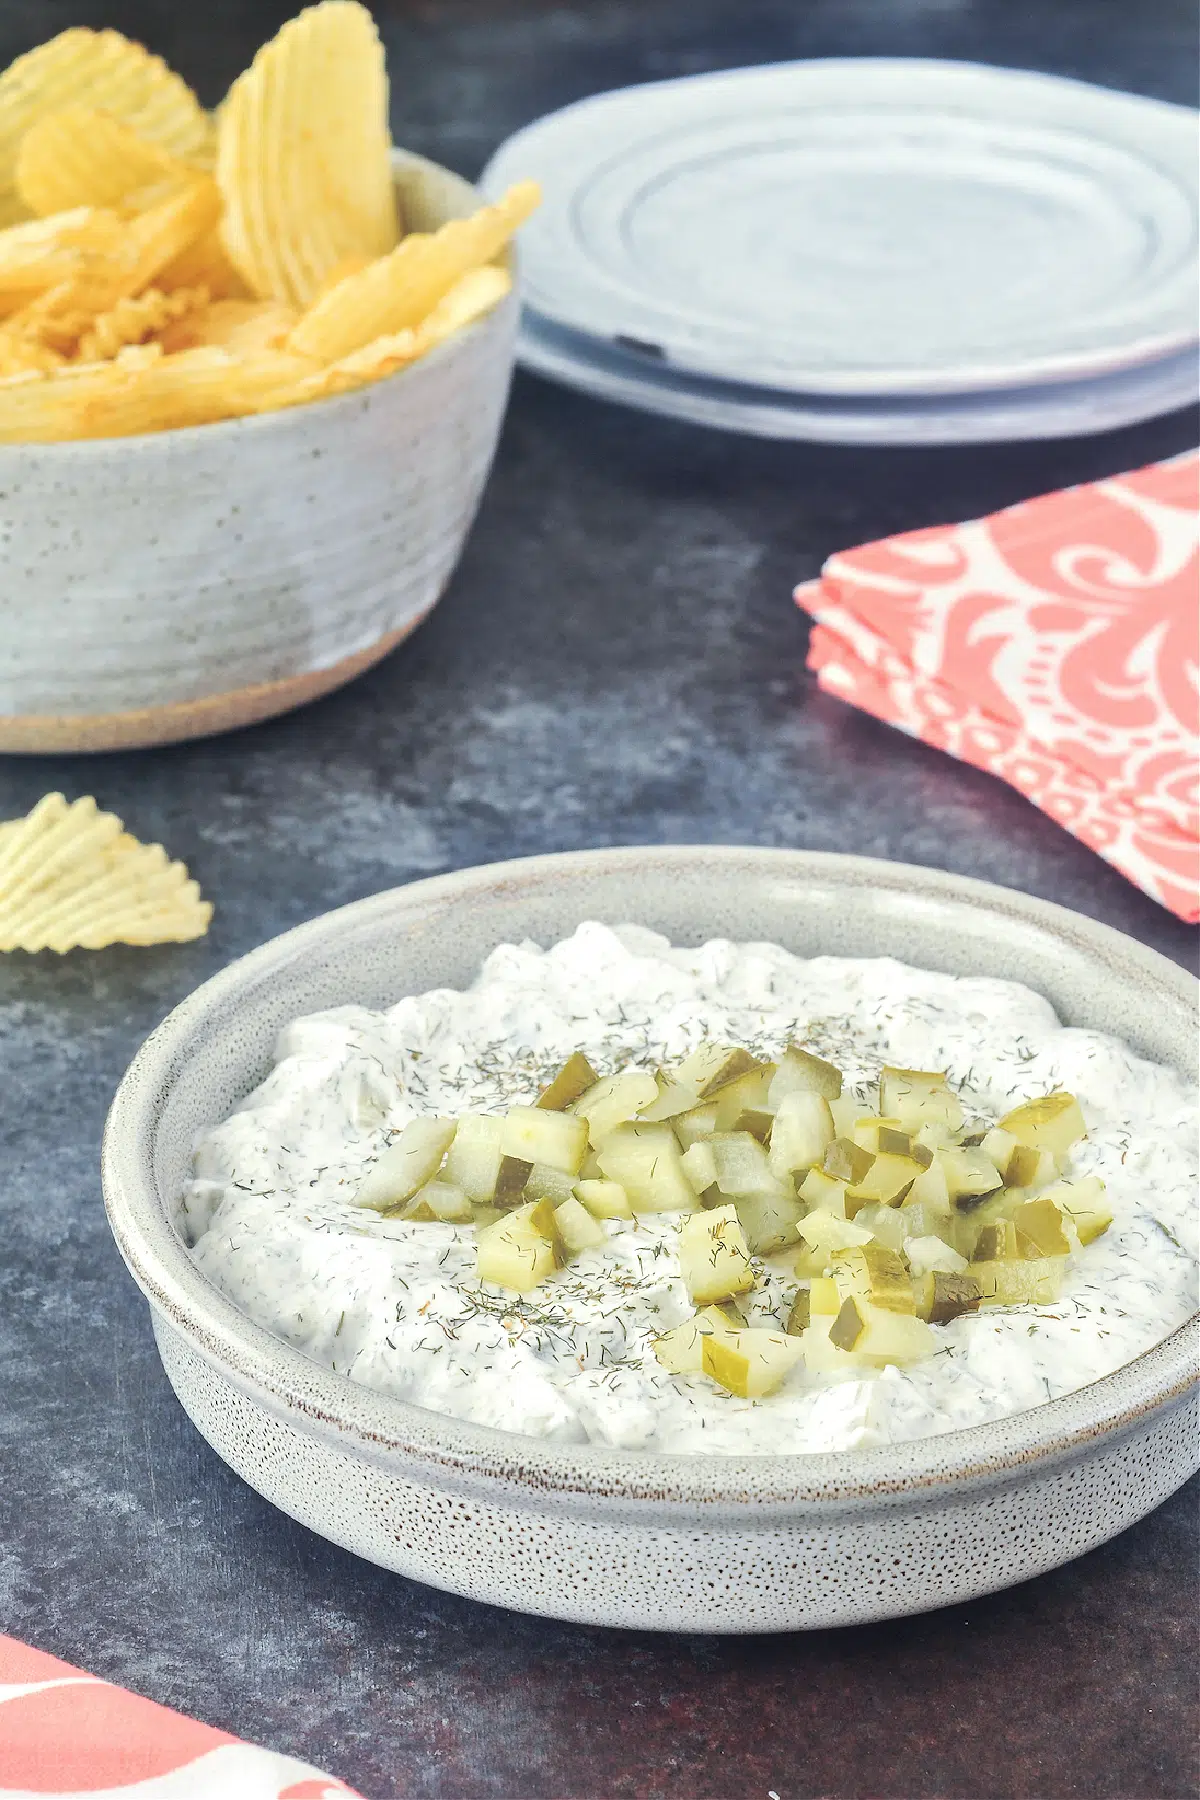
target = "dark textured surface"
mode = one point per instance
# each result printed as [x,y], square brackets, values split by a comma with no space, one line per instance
[617,661]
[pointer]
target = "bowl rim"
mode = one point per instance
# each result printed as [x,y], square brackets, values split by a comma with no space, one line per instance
[243,424]
[411,1439]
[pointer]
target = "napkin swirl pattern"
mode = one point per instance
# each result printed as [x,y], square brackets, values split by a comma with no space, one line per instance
[1055,645]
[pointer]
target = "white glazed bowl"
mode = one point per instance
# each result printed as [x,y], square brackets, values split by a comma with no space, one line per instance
[683,1543]
[167,586]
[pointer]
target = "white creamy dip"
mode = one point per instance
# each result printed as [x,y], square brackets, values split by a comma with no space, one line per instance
[396,1305]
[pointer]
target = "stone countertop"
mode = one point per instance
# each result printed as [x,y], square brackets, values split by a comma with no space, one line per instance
[617,661]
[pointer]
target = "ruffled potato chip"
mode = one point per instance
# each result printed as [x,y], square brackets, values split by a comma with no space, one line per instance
[142,390]
[400,290]
[234,325]
[98,69]
[84,157]
[473,295]
[71,877]
[135,318]
[303,154]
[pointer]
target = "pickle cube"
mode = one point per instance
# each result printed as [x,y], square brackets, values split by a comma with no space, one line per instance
[800,1072]
[473,1159]
[1039,1228]
[847,1161]
[875,1273]
[1055,1122]
[604,1199]
[1035,1281]
[439,1200]
[648,1163]
[555,1138]
[750,1363]
[521,1250]
[577,1228]
[572,1081]
[714,1258]
[802,1132]
[614,1100]
[917,1097]
[407,1165]
[680,1350]
[943,1295]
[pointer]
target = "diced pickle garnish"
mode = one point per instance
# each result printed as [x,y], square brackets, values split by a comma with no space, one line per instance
[558,1139]
[801,1312]
[408,1164]
[846,1161]
[577,1228]
[521,1250]
[917,1097]
[574,1079]
[1035,1282]
[847,1328]
[802,1132]
[714,1258]
[604,1199]
[944,1296]
[996,1242]
[757,1123]
[886,1182]
[1039,1227]
[800,1071]
[511,1177]
[724,1065]
[750,1363]
[1054,1122]
[648,1163]
[877,1274]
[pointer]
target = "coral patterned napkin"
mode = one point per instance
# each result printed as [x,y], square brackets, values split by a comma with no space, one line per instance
[65,1733]
[1055,645]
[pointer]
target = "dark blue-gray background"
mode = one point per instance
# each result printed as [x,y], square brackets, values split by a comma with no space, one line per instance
[617,661]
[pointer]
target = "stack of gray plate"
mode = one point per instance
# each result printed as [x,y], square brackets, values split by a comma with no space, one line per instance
[862,251]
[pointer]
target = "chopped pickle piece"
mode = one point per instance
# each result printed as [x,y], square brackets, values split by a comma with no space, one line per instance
[866,1130]
[1036,1281]
[555,1138]
[931,1256]
[847,1161]
[1054,1123]
[969,1173]
[919,1220]
[757,1123]
[604,1199]
[573,1080]
[513,1173]
[825,1232]
[589,1168]
[577,1228]
[485,1215]
[885,1183]
[747,1094]
[996,1242]
[700,1165]
[875,1273]
[473,1159]
[408,1164]
[848,1327]
[800,1316]
[700,1122]
[674,1098]
[546,1183]
[680,1350]
[942,1295]
[713,1066]
[800,1072]
[770,1221]
[1039,1228]
[714,1258]
[614,1100]
[822,1193]
[878,1337]
[520,1250]
[439,1200]
[743,1166]
[824,1301]
[802,1133]
[1083,1205]
[647,1161]
[1019,1165]
[750,1363]
[887,1223]
[931,1190]
[918,1097]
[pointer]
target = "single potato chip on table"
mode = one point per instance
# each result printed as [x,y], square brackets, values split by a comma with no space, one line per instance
[72,877]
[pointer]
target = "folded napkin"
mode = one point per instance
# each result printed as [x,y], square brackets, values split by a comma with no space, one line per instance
[65,1733]
[1055,645]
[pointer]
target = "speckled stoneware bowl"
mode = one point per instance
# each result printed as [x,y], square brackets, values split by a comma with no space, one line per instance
[169,586]
[682,1543]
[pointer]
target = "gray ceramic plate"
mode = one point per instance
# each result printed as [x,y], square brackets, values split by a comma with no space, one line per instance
[867,226]
[625,1538]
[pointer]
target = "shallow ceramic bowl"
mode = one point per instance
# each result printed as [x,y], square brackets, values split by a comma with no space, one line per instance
[168,586]
[681,1543]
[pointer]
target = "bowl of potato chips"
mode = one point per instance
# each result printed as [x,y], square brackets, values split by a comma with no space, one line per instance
[253,368]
